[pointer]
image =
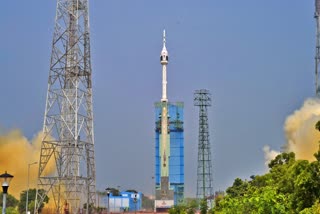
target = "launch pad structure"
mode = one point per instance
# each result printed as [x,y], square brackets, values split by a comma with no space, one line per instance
[202,99]
[67,159]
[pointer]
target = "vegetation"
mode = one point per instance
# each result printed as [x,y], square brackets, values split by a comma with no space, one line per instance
[10,210]
[11,204]
[203,206]
[11,201]
[114,191]
[31,200]
[189,207]
[291,186]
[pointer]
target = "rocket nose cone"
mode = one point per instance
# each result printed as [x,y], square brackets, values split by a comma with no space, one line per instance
[164,51]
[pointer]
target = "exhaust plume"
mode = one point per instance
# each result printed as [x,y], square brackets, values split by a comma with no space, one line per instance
[302,137]
[16,152]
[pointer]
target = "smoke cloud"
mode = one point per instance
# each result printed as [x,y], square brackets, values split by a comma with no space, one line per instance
[16,152]
[301,136]
[269,154]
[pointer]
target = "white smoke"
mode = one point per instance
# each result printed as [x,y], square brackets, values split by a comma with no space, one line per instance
[269,154]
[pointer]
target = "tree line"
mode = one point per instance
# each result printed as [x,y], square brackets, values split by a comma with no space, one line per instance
[290,186]
[15,206]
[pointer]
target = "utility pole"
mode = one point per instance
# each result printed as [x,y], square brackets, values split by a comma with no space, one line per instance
[68,142]
[27,200]
[202,98]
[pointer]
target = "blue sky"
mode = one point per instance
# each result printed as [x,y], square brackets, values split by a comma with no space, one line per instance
[256,58]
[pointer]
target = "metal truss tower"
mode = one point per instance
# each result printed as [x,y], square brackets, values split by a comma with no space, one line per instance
[67,165]
[317,57]
[202,98]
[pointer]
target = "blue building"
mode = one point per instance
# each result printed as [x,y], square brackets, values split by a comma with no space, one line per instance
[176,159]
[126,201]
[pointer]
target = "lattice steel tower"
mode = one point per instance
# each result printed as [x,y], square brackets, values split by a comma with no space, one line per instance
[202,98]
[67,165]
[317,57]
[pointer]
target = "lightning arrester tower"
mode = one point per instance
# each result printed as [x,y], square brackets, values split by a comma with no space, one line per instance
[202,98]
[67,165]
[317,57]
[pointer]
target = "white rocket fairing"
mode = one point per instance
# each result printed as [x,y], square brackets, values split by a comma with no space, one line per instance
[164,61]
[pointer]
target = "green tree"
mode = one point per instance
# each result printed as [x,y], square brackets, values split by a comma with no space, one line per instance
[282,159]
[312,210]
[203,206]
[238,188]
[31,200]
[11,201]
[113,191]
[192,206]
[132,190]
[12,210]
[189,207]
[317,126]
[291,186]
[178,209]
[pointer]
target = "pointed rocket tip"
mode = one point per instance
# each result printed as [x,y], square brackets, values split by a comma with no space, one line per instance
[164,51]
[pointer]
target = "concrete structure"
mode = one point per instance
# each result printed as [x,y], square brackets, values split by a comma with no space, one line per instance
[169,160]
[126,201]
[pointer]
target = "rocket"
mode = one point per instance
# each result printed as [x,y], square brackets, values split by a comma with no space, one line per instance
[165,192]
[165,135]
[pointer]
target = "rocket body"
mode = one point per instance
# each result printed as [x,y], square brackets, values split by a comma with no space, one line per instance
[164,83]
[164,136]
[165,192]
[164,141]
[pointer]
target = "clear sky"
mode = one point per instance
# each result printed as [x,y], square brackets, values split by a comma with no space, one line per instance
[256,58]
